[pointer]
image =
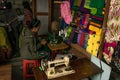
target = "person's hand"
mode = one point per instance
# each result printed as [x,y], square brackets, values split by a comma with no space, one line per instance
[43,42]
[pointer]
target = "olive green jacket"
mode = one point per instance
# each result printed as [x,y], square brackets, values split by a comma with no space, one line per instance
[28,49]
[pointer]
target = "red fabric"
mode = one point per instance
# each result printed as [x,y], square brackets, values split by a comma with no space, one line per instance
[82,38]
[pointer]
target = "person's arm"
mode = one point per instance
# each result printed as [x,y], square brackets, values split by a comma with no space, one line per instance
[40,43]
[14,19]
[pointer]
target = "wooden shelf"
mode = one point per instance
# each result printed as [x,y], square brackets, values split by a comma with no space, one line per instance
[101,47]
[100,52]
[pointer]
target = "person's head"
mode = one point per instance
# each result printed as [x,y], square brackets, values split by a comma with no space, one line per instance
[18,11]
[34,26]
[26,5]
[8,5]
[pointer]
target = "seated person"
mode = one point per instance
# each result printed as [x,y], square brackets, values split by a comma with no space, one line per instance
[29,43]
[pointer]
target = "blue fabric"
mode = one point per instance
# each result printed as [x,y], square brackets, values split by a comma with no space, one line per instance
[72,2]
[63,24]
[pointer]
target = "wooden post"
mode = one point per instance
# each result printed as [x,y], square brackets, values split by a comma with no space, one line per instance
[100,52]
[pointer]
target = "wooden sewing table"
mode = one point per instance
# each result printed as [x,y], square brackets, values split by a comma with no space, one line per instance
[57,47]
[84,69]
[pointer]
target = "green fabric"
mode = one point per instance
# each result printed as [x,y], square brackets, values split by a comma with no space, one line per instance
[40,68]
[77,3]
[69,30]
[97,3]
[93,11]
[99,12]
[87,5]
[75,8]
[96,6]
[96,21]
[49,37]
[4,38]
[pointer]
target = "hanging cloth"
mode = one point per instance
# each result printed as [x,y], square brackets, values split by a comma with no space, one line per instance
[113,23]
[93,44]
[66,11]
[82,9]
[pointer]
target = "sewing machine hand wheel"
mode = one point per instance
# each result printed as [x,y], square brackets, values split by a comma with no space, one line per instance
[44,64]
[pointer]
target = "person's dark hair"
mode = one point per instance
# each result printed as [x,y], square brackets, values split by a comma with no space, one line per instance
[26,5]
[18,11]
[8,5]
[33,24]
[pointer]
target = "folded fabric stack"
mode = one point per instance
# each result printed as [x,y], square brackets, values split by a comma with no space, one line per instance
[93,44]
[87,16]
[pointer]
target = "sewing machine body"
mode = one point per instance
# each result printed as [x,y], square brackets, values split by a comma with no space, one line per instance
[56,68]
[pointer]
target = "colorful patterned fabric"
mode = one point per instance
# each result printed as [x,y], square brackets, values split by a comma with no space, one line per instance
[71,36]
[93,44]
[74,40]
[113,23]
[95,24]
[97,30]
[82,39]
[96,21]
[79,35]
[86,20]
[87,5]
[82,9]
[97,18]
[96,9]
[85,40]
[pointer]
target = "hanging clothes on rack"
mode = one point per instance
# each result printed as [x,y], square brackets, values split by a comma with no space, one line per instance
[66,11]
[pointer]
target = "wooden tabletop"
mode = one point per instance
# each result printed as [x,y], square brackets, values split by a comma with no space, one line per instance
[58,46]
[5,72]
[83,68]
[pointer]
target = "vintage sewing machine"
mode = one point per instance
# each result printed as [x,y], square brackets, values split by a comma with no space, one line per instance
[57,68]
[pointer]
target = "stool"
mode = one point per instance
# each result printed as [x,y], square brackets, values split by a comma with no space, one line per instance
[26,67]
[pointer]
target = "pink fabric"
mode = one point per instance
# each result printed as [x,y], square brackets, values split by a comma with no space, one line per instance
[66,12]
[98,18]
[107,44]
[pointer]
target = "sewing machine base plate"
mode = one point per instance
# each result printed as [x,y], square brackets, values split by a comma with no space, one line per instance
[61,72]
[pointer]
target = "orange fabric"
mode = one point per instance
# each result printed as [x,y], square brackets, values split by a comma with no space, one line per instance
[95,24]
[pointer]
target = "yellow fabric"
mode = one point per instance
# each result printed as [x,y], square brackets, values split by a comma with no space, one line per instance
[97,30]
[93,44]
[4,38]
